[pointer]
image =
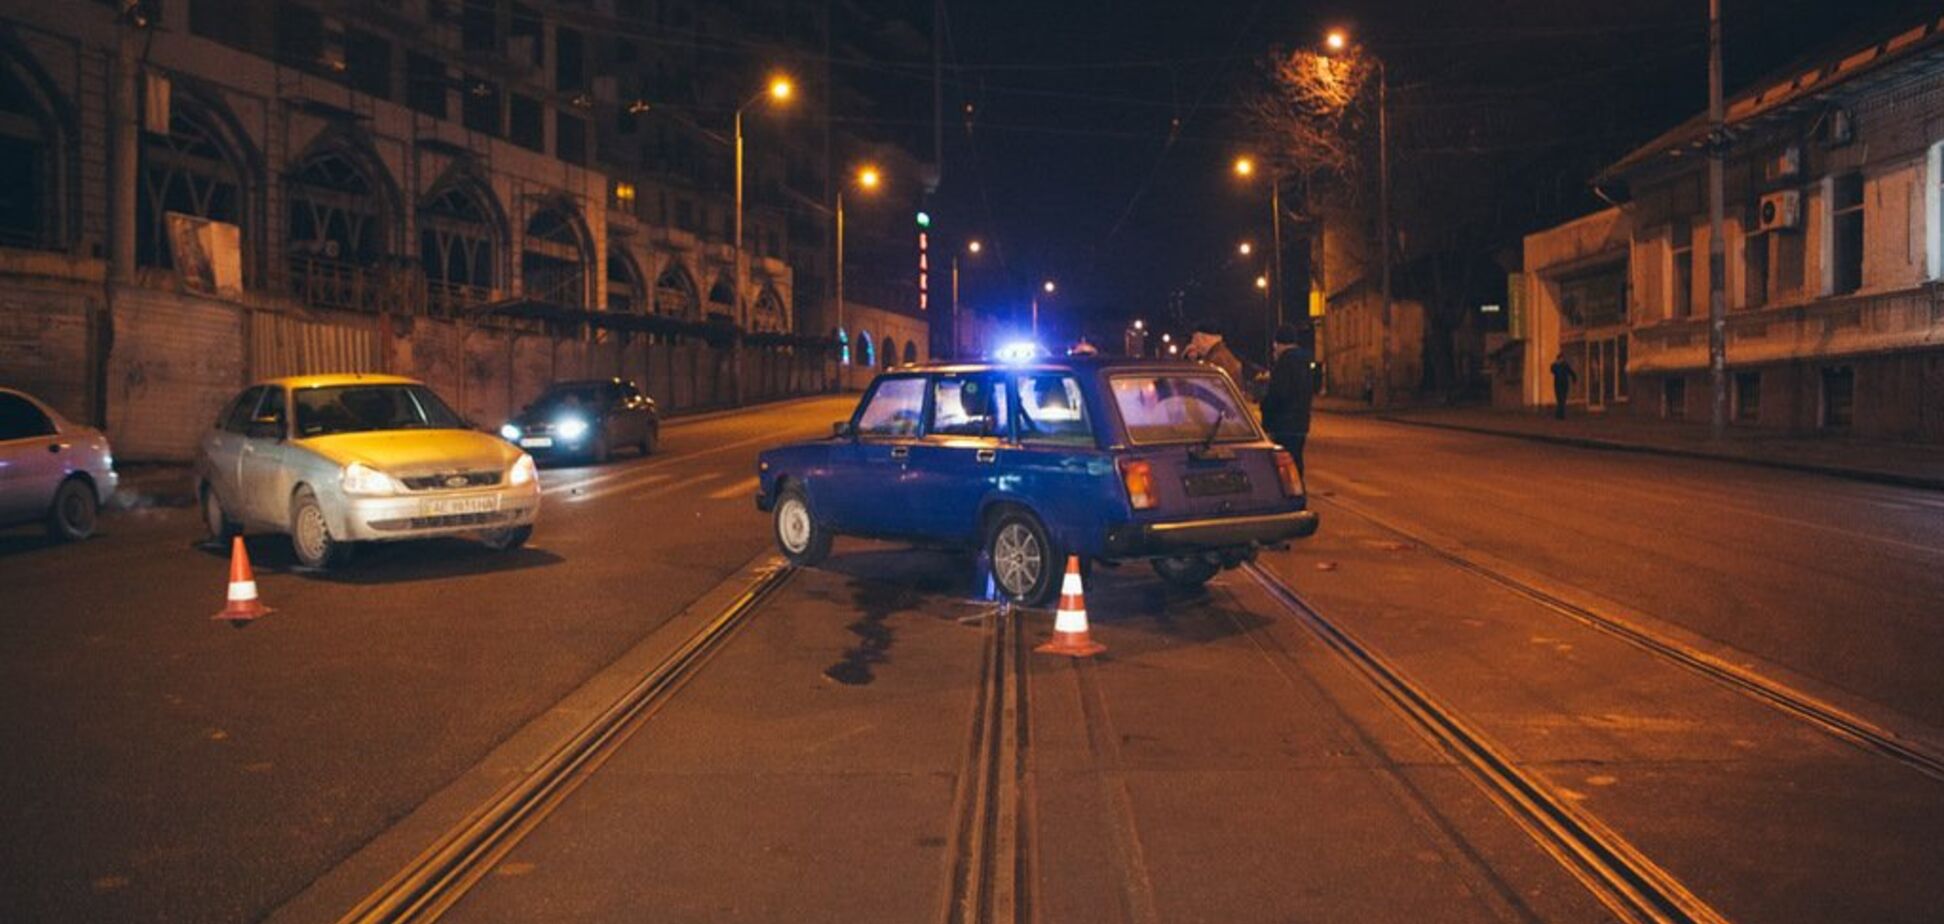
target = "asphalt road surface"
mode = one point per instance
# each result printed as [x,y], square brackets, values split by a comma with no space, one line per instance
[1432,711]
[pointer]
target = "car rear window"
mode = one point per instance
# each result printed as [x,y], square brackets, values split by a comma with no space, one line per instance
[1052,410]
[1180,407]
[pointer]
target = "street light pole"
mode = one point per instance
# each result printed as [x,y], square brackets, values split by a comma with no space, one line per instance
[955,314]
[1384,219]
[1717,251]
[840,275]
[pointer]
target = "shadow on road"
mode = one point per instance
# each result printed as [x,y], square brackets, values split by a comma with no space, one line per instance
[391,562]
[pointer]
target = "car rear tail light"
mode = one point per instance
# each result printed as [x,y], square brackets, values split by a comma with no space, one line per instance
[1138,476]
[1286,471]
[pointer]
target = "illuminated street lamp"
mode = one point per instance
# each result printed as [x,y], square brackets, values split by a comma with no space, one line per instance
[868,179]
[1049,288]
[778,92]
[1338,41]
[1245,168]
[1245,248]
[1262,282]
[973,247]
[1140,324]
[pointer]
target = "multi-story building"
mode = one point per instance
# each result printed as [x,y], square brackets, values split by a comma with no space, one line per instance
[1834,243]
[200,191]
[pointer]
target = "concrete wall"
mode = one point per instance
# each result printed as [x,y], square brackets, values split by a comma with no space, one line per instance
[1351,339]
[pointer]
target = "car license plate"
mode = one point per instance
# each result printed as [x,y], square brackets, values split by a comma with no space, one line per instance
[536,442]
[1215,483]
[450,506]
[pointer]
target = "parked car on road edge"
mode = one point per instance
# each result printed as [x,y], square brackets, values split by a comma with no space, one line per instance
[51,469]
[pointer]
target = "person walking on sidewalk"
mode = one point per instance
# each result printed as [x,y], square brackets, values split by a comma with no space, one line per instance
[1286,406]
[1563,378]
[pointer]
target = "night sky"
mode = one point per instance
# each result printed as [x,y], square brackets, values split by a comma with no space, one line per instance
[1102,130]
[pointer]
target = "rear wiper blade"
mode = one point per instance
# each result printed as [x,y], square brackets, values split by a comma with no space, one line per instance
[1221,417]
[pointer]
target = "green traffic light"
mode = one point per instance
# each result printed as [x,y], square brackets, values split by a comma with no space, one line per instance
[924,219]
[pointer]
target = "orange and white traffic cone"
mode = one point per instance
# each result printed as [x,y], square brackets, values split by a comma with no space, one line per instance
[243,603]
[1070,622]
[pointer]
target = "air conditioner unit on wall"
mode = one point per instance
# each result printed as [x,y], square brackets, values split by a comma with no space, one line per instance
[1780,210]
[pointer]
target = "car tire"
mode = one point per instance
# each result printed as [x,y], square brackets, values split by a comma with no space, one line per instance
[507,539]
[648,441]
[71,518]
[799,536]
[1026,567]
[216,520]
[310,535]
[1188,572]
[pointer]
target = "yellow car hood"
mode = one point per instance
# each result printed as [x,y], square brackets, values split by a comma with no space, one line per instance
[414,452]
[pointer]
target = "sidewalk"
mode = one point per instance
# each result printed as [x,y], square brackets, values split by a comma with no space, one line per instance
[1863,460]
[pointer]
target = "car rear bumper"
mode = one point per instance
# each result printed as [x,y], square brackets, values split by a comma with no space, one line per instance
[1178,537]
[378,519]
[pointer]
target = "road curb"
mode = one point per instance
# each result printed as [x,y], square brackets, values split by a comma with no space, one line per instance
[1835,471]
[680,419]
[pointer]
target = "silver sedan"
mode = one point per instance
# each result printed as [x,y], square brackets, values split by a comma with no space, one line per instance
[52,469]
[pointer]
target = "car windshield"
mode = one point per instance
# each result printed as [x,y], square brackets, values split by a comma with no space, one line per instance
[1179,407]
[571,397]
[359,408]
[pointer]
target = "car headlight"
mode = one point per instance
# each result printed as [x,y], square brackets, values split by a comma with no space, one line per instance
[509,432]
[570,428]
[523,471]
[360,478]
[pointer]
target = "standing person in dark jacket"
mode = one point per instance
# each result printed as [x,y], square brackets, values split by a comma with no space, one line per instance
[1563,377]
[1286,408]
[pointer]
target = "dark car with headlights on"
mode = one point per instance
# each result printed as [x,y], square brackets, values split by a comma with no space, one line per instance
[586,421]
[1108,459]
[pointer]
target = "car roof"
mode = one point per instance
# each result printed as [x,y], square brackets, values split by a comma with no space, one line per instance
[1059,364]
[583,383]
[337,379]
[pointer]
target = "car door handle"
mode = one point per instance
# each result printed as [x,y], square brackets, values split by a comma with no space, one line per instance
[987,455]
[900,452]
[56,447]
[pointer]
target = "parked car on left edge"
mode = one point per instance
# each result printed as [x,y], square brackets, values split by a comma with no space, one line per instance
[331,460]
[51,469]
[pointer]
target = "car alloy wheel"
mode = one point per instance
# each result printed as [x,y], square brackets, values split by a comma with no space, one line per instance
[72,517]
[798,535]
[310,535]
[1018,558]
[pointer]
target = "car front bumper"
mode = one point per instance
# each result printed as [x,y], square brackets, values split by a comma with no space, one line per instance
[441,513]
[1181,537]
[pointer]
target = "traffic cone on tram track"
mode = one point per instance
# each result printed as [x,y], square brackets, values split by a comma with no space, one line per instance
[243,603]
[1070,621]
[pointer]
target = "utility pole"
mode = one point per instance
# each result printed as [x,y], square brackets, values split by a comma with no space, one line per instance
[1717,252]
[124,139]
[1384,221]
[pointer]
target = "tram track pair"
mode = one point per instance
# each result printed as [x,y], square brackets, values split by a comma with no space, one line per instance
[441,875]
[1618,875]
[1789,700]
[990,860]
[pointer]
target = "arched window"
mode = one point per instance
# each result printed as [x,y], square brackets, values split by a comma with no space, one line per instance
[460,240]
[339,220]
[723,290]
[768,313]
[675,293]
[843,348]
[624,293]
[31,159]
[866,354]
[195,169]
[911,351]
[890,352]
[553,261]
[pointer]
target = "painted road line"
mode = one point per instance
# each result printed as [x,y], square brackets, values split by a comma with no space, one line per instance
[679,487]
[744,488]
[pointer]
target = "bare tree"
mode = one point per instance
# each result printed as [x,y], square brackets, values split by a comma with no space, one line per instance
[1309,118]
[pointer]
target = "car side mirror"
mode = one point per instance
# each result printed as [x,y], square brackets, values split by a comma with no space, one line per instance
[266,428]
[842,430]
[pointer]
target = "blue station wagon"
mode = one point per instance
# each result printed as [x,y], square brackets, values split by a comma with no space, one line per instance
[1108,459]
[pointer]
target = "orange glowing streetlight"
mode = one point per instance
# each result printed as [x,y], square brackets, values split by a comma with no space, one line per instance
[1245,166]
[974,246]
[1245,248]
[780,88]
[1336,40]
[1262,282]
[868,179]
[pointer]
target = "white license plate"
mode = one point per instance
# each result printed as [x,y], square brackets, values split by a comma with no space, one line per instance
[536,442]
[449,506]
